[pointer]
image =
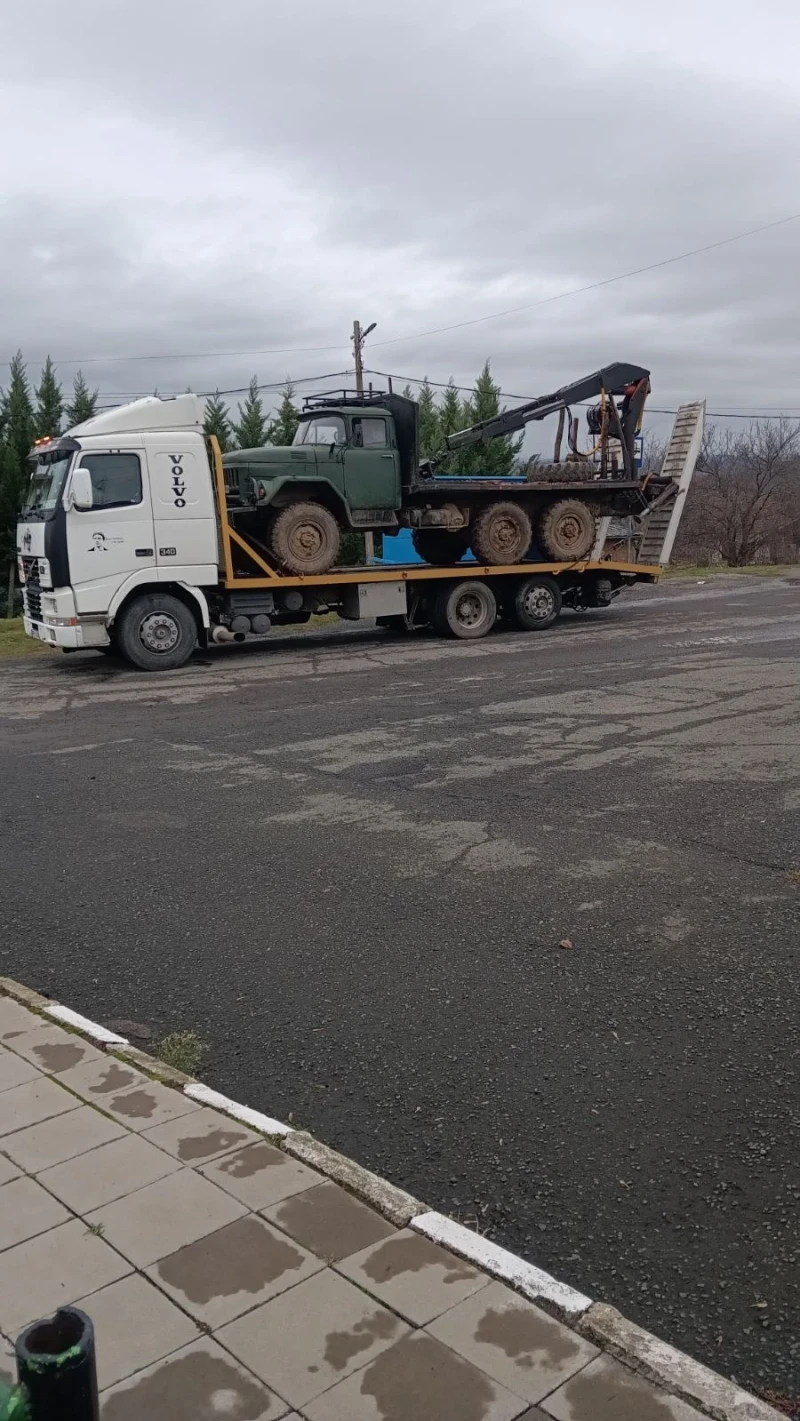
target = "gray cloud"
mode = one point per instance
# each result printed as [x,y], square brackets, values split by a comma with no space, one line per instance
[181,183]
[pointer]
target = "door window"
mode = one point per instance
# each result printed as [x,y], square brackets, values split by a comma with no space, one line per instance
[116,479]
[369,432]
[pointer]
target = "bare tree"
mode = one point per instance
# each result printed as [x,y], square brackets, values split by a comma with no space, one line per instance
[745,494]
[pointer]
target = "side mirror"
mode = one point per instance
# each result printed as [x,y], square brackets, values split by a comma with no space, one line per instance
[81,490]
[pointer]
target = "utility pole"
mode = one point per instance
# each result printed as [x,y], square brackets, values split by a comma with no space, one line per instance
[359,337]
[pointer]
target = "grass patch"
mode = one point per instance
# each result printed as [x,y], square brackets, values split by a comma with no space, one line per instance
[793,875]
[14,642]
[183,1050]
[719,570]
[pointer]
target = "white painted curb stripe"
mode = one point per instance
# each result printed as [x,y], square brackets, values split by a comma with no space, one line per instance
[264,1123]
[532,1282]
[82,1023]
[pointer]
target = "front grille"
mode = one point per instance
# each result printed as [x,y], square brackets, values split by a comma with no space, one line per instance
[32,592]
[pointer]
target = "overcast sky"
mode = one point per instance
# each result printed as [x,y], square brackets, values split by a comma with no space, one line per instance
[181,178]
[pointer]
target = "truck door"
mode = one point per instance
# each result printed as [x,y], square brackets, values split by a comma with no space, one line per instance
[183,507]
[113,538]
[372,464]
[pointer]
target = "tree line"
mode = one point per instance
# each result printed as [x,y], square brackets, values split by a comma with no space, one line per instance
[743,505]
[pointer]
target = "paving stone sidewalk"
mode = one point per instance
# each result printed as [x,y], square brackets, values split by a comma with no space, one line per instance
[226,1279]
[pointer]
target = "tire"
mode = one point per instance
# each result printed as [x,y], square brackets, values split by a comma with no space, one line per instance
[567,530]
[537,603]
[501,533]
[467,610]
[304,538]
[157,632]
[437,546]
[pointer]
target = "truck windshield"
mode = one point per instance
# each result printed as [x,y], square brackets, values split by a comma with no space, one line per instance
[47,474]
[325,429]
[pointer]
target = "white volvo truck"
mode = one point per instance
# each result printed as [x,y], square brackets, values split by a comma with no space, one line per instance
[132,541]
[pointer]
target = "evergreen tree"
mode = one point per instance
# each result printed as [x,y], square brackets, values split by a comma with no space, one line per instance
[16,437]
[499,456]
[83,403]
[283,427]
[49,402]
[429,433]
[251,430]
[218,420]
[451,418]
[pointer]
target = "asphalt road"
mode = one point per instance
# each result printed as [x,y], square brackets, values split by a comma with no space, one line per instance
[347,862]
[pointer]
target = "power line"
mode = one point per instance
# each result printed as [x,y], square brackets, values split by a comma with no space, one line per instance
[505,395]
[438,330]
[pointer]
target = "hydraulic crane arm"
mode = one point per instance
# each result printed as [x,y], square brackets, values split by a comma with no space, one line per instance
[632,382]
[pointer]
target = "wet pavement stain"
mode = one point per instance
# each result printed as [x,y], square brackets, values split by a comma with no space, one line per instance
[196,1387]
[613,1397]
[341,1347]
[60,1056]
[421,1378]
[521,1335]
[241,1258]
[331,1223]
[136,1106]
[250,1161]
[193,1147]
[113,1078]
[410,1255]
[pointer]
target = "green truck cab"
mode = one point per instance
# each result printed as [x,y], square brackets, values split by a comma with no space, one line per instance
[354,464]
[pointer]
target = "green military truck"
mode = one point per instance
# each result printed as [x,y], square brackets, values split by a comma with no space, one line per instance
[355,464]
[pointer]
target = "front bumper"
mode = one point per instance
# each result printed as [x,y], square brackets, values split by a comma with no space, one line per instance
[50,617]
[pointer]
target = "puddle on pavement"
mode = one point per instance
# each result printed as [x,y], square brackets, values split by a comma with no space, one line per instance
[341,1347]
[521,1335]
[421,1378]
[196,1387]
[331,1223]
[251,1161]
[410,1255]
[193,1147]
[241,1258]
[59,1056]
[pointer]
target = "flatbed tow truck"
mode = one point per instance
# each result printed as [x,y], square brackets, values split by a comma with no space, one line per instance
[137,538]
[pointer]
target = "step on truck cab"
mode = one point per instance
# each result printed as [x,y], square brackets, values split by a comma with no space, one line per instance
[135,539]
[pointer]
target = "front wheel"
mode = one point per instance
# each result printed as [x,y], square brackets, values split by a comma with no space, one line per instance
[304,538]
[466,610]
[156,632]
[537,603]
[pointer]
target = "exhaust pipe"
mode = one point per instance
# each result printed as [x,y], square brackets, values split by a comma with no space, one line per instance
[221,634]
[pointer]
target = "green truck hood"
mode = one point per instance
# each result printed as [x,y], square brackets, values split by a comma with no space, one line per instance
[269,462]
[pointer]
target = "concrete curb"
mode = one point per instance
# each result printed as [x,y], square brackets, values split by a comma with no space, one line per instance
[661,1364]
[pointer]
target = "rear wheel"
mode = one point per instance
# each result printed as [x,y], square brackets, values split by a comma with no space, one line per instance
[501,534]
[567,530]
[156,631]
[438,546]
[304,538]
[467,610]
[537,603]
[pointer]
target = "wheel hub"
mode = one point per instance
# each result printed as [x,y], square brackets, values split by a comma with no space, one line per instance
[307,540]
[569,529]
[504,534]
[470,610]
[539,604]
[159,632]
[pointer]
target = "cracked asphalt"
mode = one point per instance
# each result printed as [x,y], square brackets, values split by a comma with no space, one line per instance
[348,863]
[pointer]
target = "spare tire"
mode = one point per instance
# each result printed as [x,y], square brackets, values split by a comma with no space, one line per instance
[567,530]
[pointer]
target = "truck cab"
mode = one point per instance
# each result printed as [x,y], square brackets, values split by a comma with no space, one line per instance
[119,507]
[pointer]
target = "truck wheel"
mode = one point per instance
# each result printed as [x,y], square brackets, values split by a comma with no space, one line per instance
[156,631]
[501,534]
[567,530]
[437,546]
[464,609]
[305,538]
[537,603]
